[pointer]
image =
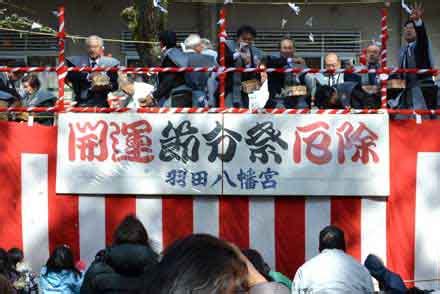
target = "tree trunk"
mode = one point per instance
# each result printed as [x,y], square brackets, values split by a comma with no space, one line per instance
[145,22]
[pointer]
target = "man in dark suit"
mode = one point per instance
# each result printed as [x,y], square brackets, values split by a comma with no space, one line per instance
[171,90]
[421,92]
[91,89]
[280,82]
[242,53]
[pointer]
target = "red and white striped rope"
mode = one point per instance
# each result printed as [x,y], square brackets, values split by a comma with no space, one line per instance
[222,52]
[384,37]
[61,69]
[140,70]
[195,110]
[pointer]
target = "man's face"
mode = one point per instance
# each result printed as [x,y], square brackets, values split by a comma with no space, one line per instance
[28,89]
[287,49]
[199,48]
[247,38]
[94,49]
[332,62]
[409,33]
[373,53]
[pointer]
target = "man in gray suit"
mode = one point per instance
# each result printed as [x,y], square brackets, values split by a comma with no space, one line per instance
[91,89]
[198,81]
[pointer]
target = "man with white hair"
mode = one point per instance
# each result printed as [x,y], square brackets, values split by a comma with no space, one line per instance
[91,89]
[198,81]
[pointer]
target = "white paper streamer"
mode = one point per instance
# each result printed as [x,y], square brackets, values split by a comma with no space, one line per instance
[406,8]
[295,8]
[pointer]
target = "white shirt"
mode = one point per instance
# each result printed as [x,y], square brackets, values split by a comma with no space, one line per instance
[332,271]
[141,90]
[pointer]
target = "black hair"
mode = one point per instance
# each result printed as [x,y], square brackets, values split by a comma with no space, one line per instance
[409,22]
[323,97]
[15,255]
[16,63]
[246,29]
[33,81]
[61,259]
[331,237]
[131,231]
[200,264]
[168,39]
[4,264]
[258,262]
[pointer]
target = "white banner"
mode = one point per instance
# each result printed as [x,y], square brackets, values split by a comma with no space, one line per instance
[229,154]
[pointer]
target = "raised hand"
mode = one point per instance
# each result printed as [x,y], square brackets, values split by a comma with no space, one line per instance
[417,12]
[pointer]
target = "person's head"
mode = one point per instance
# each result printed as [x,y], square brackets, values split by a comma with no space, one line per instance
[131,231]
[258,262]
[194,42]
[126,85]
[206,43]
[372,54]
[326,97]
[95,46]
[331,237]
[61,259]
[15,75]
[332,61]
[167,39]
[200,264]
[409,31]
[287,48]
[4,264]
[246,35]
[31,84]
[15,255]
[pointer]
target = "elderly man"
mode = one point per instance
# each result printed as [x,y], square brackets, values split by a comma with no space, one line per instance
[282,85]
[91,89]
[198,81]
[421,92]
[332,270]
[242,53]
[335,90]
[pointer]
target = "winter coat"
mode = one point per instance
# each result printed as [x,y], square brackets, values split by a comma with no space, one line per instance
[122,269]
[64,282]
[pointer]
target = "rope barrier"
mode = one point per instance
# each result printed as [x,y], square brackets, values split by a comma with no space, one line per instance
[383,53]
[141,70]
[69,108]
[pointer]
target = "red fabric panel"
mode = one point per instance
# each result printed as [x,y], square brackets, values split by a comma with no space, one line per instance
[234,220]
[177,218]
[290,232]
[116,209]
[346,214]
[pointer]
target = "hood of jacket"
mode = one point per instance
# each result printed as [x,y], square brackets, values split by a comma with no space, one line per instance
[131,259]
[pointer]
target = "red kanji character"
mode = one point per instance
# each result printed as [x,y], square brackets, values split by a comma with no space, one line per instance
[317,150]
[362,139]
[137,142]
[91,140]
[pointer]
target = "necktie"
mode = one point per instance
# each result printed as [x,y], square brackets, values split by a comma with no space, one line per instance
[372,80]
[93,64]
[332,83]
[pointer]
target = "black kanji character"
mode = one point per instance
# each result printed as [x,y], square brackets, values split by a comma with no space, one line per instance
[175,146]
[268,181]
[228,179]
[248,179]
[229,139]
[199,178]
[259,137]
[177,177]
